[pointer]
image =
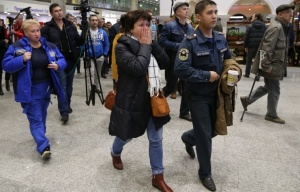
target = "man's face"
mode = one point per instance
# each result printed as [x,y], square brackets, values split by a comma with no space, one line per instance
[286,15]
[108,25]
[57,13]
[71,18]
[208,18]
[182,12]
[94,22]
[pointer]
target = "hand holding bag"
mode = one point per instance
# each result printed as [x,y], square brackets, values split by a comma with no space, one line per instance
[109,101]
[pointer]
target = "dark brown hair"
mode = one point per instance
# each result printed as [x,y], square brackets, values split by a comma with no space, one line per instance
[127,22]
[200,6]
[53,5]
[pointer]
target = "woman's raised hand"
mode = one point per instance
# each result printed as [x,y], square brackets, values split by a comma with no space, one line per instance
[145,36]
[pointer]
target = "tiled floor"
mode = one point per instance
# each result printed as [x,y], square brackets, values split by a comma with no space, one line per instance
[256,155]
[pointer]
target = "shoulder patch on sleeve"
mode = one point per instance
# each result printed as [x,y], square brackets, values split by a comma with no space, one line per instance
[191,36]
[183,54]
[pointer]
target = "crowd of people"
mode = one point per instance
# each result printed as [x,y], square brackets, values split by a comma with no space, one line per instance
[43,59]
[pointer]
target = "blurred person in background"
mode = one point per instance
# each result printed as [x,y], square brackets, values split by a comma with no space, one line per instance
[3,47]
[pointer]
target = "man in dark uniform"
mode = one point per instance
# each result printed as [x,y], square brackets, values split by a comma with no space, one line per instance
[199,62]
[172,34]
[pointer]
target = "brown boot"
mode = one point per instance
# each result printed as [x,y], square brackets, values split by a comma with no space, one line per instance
[117,162]
[173,95]
[159,183]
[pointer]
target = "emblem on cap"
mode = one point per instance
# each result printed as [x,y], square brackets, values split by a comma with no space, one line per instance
[183,54]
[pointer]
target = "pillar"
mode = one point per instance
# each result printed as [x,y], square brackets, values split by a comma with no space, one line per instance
[134,5]
[100,13]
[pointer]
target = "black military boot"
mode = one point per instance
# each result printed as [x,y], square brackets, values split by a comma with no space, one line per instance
[1,91]
[7,85]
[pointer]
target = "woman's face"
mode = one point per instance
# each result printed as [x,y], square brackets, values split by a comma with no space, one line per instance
[1,22]
[138,26]
[33,33]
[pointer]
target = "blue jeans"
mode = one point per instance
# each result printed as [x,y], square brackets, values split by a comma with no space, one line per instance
[155,148]
[66,80]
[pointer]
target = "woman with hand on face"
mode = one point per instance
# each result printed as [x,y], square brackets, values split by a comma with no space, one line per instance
[33,62]
[131,115]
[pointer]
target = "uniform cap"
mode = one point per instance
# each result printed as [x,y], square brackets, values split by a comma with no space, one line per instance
[283,7]
[179,4]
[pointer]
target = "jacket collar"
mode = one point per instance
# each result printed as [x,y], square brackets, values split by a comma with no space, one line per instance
[25,41]
[284,24]
[65,21]
[202,39]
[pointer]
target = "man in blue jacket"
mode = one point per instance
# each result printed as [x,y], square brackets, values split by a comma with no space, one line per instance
[172,34]
[100,46]
[199,62]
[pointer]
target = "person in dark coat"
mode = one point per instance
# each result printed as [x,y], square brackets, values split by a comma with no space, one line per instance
[131,115]
[253,36]
[63,33]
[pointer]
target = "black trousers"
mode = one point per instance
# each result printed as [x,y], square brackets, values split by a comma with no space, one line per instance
[171,80]
[203,113]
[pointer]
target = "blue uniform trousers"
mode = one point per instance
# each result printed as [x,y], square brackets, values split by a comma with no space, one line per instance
[36,112]
[203,112]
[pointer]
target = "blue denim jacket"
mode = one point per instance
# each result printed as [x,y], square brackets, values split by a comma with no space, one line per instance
[171,37]
[196,57]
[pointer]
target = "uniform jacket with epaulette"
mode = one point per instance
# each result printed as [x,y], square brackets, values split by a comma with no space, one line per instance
[195,67]
[171,37]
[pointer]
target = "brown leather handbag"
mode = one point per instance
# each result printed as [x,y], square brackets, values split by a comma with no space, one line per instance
[159,105]
[110,99]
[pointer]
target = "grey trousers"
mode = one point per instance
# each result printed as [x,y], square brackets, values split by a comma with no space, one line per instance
[99,64]
[272,88]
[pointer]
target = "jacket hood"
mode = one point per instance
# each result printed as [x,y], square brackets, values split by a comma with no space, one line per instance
[131,43]
[258,24]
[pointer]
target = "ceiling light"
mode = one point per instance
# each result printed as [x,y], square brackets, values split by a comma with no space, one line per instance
[236,17]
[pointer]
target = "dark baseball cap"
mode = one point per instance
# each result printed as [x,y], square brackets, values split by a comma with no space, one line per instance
[284,7]
[179,4]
